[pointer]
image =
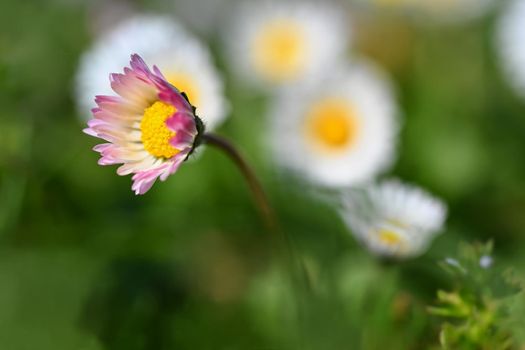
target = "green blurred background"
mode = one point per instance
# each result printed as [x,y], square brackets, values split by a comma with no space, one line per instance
[84,264]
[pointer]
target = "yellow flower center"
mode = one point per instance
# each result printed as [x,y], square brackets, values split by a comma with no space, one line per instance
[155,133]
[185,83]
[389,237]
[279,50]
[332,124]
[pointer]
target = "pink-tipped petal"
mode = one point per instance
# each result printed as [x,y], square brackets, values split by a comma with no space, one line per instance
[141,187]
[119,105]
[90,132]
[138,64]
[102,147]
[181,140]
[169,95]
[144,180]
[180,158]
[182,121]
[157,71]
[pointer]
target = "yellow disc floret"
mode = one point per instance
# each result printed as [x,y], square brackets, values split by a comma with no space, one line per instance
[155,133]
[332,124]
[279,50]
[389,237]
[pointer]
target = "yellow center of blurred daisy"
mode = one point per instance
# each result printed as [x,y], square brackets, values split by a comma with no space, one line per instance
[279,50]
[185,83]
[155,133]
[332,124]
[389,237]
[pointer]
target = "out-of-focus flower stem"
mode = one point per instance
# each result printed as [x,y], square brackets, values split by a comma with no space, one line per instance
[280,238]
[260,197]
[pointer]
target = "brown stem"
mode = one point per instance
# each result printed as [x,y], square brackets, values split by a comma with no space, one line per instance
[260,197]
[281,240]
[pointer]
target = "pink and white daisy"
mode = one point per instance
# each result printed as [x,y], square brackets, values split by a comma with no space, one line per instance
[151,128]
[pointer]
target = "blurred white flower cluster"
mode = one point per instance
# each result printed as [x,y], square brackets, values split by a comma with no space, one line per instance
[334,120]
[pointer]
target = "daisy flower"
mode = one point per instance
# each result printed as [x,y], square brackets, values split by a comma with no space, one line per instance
[151,128]
[203,16]
[510,39]
[184,61]
[393,219]
[274,43]
[340,131]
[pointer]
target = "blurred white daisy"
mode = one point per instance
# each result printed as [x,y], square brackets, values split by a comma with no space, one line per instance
[510,44]
[340,131]
[393,219]
[185,62]
[202,16]
[438,10]
[277,43]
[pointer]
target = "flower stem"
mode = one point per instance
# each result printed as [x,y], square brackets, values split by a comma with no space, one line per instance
[260,197]
[282,241]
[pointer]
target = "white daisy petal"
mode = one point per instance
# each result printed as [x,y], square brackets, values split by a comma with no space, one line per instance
[203,16]
[273,43]
[185,62]
[393,219]
[340,131]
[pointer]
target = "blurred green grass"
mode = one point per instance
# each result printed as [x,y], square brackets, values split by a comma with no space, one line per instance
[84,264]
